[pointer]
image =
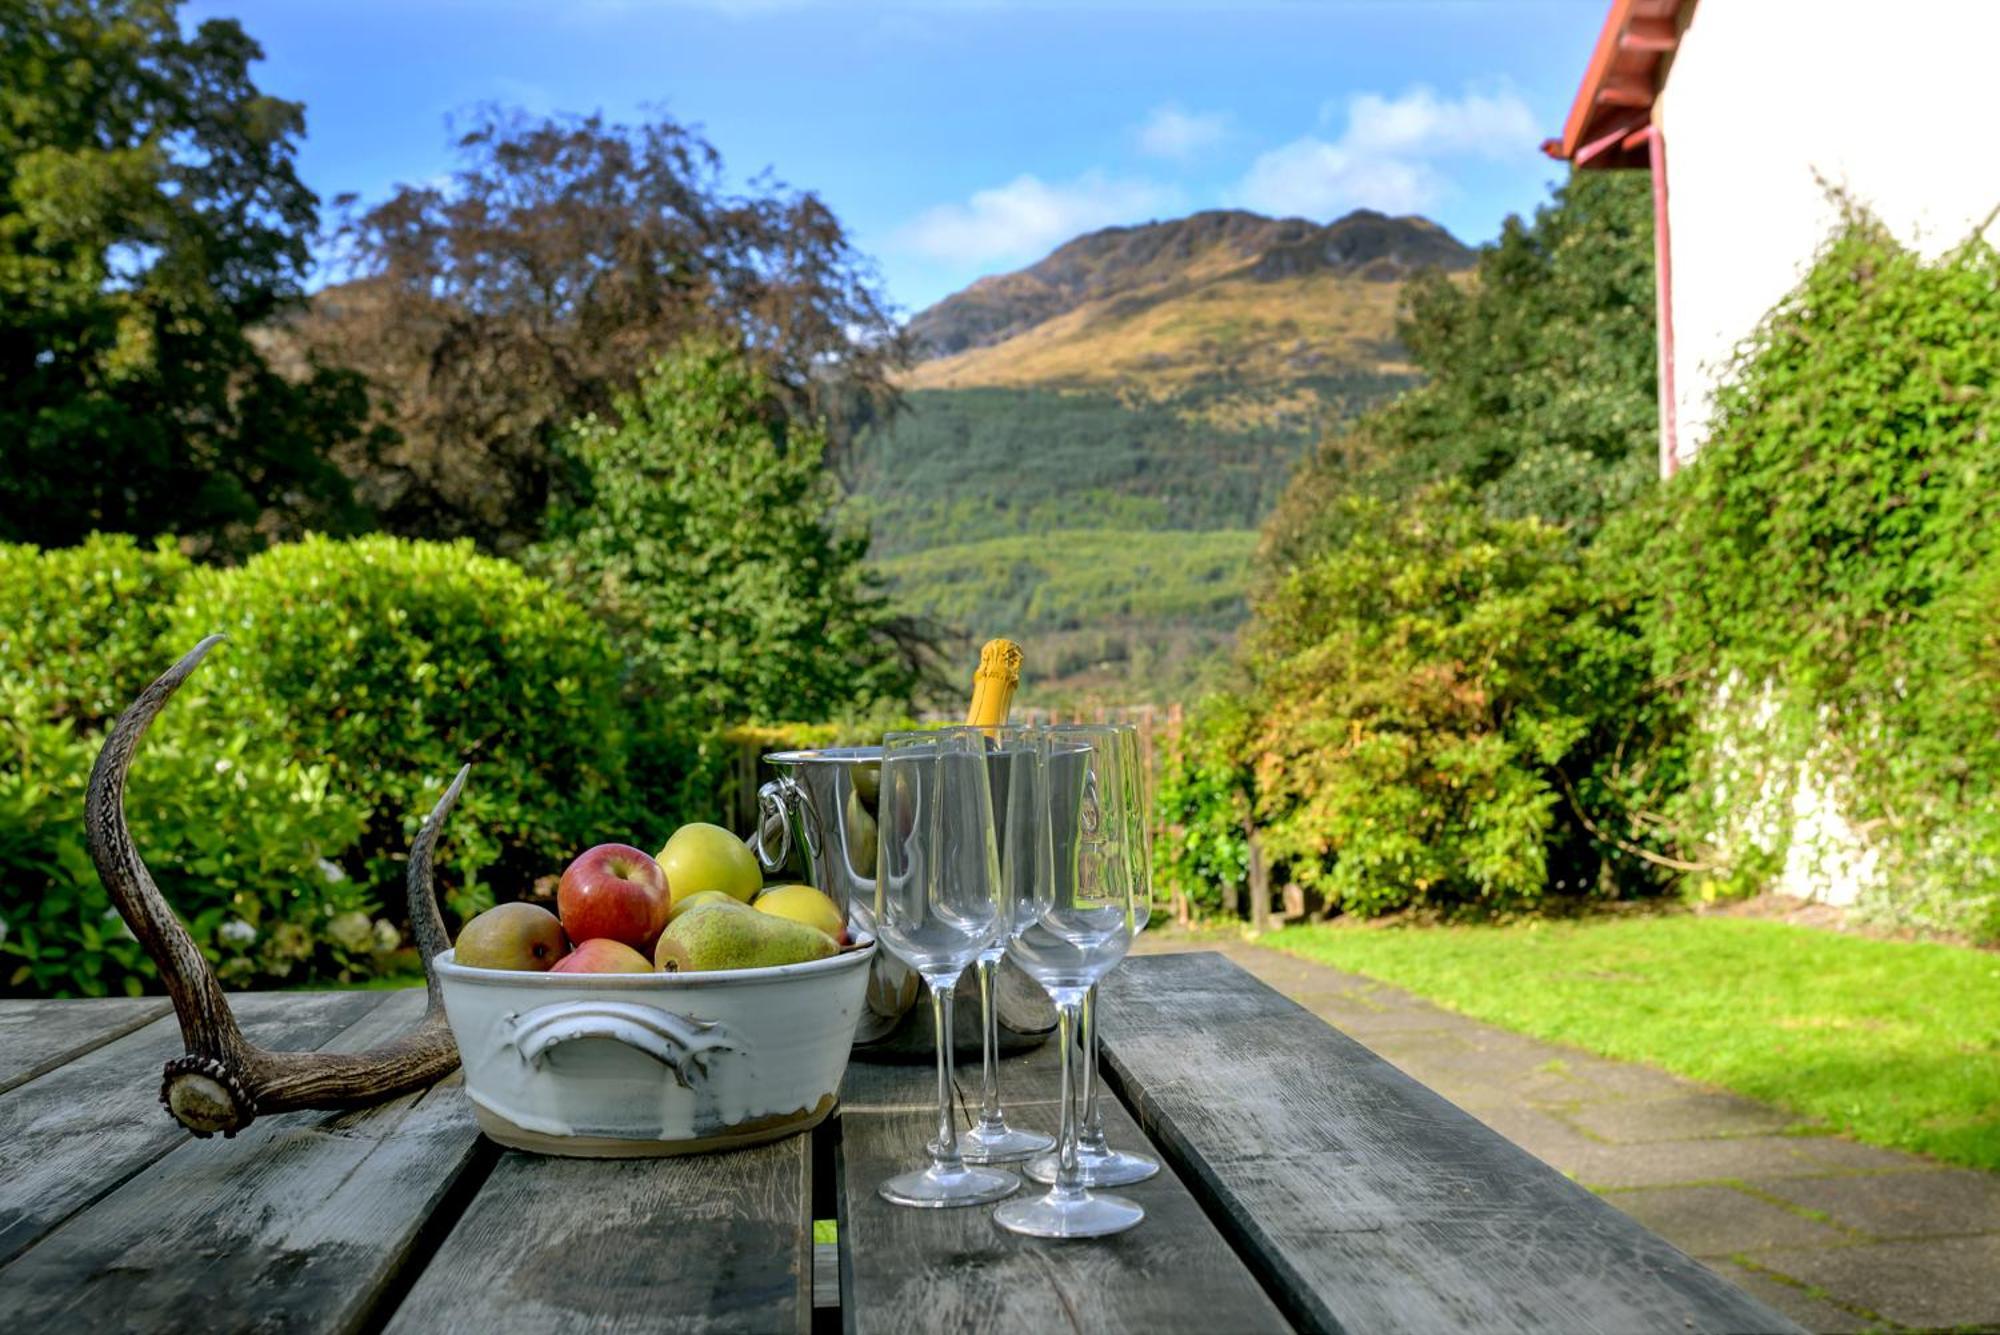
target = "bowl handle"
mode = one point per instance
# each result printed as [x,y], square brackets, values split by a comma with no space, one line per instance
[678,1043]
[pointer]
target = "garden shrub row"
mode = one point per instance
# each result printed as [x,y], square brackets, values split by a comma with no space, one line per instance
[275,798]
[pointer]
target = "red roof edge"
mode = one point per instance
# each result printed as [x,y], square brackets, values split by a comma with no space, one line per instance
[1619,86]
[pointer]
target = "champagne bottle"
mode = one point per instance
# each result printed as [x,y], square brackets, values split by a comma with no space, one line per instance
[993,684]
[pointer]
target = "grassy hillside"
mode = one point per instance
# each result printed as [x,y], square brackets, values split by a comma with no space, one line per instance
[960,466]
[1091,442]
[1237,329]
[1137,613]
[1111,537]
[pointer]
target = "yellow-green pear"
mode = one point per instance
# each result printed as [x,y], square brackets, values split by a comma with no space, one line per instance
[704,899]
[512,936]
[802,903]
[720,938]
[707,857]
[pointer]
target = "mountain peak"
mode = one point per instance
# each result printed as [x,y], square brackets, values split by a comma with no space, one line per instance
[1138,265]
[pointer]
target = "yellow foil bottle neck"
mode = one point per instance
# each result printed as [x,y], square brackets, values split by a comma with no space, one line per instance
[993,684]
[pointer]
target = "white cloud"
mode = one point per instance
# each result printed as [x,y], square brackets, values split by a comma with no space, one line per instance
[1170,132]
[1027,217]
[1389,155]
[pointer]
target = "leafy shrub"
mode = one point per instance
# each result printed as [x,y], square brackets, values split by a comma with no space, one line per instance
[1442,710]
[391,663]
[1202,807]
[80,626]
[235,834]
[1832,552]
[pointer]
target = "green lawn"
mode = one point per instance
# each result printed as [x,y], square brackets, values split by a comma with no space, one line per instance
[1896,1043]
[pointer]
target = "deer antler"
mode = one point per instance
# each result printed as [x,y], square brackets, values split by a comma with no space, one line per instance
[225,1080]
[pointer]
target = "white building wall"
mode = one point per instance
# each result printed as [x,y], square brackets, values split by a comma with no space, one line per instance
[1896,101]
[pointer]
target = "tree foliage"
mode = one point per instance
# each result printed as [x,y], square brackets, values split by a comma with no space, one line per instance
[1448,702]
[559,261]
[1539,378]
[150,219]
[704,537]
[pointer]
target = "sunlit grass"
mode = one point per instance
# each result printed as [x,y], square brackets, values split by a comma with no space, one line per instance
[1895,1043]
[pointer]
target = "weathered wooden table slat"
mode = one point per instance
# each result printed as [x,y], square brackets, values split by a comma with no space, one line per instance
[1370,1202]
[38,1036]
[1309,1186]
[299,1223]
[706,1243]
[72,1135]
[950,1270]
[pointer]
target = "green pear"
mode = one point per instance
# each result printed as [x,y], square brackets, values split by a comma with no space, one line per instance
[867,786]
[512,936]
[861,837]
[704,899]
[722,938]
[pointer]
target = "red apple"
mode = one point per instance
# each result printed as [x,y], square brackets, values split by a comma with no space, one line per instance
[602,956]
[616,893]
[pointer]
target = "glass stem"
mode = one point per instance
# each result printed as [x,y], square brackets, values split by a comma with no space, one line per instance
[1069,1172]
[1092,1134]
[990,1117]
[944,1150]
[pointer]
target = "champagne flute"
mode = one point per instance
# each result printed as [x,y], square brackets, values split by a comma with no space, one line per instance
[1099,1164]
[1020,808]
[937,905]
[1085,930]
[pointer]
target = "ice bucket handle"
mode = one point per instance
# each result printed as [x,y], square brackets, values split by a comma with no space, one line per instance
[779,803]
[678,1043]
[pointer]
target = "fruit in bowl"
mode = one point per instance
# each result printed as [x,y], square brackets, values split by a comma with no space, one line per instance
[701,900]
[620,911]
[802,903]
[614,892]
[512,936]
[603,956]
[736,937]
[701,857]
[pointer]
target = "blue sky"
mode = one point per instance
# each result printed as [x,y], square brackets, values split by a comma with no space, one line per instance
[962,137]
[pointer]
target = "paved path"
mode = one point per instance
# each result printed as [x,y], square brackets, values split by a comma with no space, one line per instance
[1840,1236]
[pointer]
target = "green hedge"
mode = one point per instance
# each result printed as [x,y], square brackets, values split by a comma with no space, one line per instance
[275,798]
[239,836]
[394,662]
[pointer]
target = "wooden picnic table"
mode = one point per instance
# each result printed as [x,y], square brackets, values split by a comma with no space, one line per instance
[1310,1186]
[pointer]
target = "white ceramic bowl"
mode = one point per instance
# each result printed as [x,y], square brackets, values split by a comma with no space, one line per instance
[616,1065]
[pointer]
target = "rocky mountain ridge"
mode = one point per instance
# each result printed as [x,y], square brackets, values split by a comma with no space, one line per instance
[1129,268]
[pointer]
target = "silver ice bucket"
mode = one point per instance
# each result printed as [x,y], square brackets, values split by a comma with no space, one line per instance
[819,815]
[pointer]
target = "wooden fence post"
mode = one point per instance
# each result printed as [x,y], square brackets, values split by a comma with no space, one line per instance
[1260,883]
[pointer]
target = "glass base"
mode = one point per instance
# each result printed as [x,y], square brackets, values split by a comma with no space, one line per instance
[1004,1145]
[1078,1215]
[937,1188]
[1098,1168]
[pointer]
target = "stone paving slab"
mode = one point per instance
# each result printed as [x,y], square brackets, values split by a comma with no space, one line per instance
[1900,1205]
[1933,1284]
[1679,1117]
[1796,1301]
[1717,1222]
[1838,1235]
